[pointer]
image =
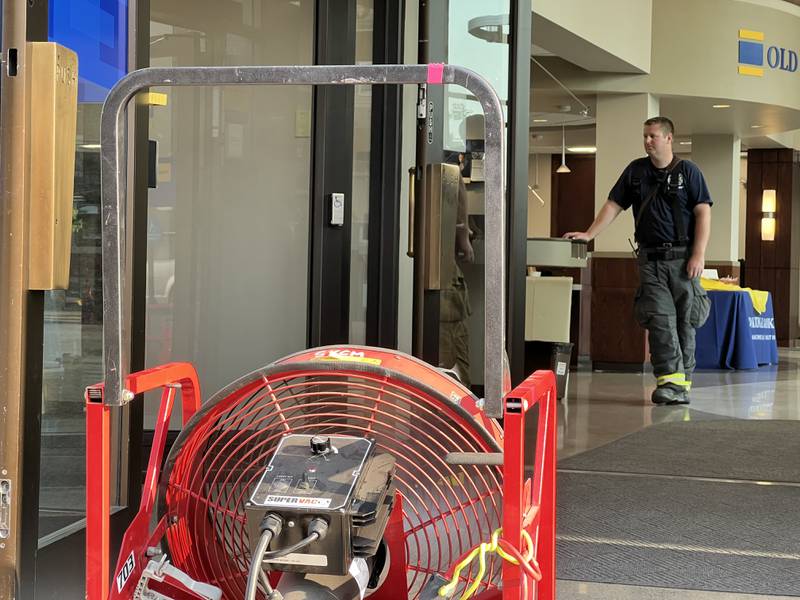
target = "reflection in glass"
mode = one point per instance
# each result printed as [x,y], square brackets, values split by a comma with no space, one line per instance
[228,220]
[477,38]
[73,318]
[359,239]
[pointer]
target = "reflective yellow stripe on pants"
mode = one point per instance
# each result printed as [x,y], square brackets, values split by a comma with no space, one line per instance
[674,378]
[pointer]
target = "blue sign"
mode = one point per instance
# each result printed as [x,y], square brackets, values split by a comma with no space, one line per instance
[97,30]
[751,55]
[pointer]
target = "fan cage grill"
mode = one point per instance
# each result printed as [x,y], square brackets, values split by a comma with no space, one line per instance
[222,453]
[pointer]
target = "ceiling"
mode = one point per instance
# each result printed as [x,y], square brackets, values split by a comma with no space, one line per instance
[548,140]
[553,108]
[750,121]
[558,107]
[695,116]
[692,116]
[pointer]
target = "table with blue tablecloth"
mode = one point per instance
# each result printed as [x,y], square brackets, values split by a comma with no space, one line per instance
[736,336]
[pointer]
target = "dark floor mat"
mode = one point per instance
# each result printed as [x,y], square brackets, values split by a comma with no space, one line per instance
[727,449]
[677,533]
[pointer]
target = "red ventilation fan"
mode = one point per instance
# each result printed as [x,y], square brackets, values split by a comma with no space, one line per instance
[412,411]
[455,483]
[336,473]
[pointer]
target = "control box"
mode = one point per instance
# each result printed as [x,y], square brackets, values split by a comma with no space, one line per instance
[339,478]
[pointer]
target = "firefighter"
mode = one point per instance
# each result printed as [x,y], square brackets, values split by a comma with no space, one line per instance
[672,216]
[455,309]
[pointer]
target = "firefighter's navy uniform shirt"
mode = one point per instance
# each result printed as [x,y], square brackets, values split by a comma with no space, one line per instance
[656,226]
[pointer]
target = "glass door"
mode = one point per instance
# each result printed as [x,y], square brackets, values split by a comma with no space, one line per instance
[229,216]
[242,262]
[64,327]
[73,318]
[362,131]
[244,265]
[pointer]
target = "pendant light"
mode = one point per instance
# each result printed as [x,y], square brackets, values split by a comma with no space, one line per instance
[535,187]
[563,168]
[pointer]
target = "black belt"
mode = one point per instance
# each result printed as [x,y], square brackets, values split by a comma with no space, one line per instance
[663,252]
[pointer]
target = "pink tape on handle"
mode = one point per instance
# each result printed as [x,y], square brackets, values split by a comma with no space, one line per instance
[435,73]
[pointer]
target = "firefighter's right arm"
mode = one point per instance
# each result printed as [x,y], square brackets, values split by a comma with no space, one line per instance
[603,219]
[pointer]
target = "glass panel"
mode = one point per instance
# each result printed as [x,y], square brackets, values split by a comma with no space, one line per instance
[229,219]
[361,158]
[73,318]
[477,39]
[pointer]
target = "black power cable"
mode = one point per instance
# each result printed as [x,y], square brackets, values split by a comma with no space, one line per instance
[270,527]
[255,567]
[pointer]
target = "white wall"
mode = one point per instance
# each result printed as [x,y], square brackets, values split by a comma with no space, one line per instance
[695,54]
[742,207]
[719,158]
[619,141]
[589,33]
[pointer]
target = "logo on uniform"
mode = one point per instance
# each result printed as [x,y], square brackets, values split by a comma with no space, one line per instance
[681,181]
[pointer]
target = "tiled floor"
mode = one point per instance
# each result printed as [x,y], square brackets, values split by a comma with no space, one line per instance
[602,407]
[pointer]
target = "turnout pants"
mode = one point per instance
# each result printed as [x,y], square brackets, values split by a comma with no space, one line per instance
[670,306]
[454,311]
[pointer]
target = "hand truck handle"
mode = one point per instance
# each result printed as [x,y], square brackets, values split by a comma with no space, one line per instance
[113,134]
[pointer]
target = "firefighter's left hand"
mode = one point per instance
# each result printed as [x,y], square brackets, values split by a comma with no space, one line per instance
[695,266]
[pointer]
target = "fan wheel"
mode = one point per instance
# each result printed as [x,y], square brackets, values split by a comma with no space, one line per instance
[411,410]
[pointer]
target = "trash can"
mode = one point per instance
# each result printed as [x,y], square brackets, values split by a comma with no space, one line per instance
[553,356]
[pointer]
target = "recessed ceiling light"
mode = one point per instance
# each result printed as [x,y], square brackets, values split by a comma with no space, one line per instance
[582,149]
[721,105]
[688,143]
[540,120]
[756,126]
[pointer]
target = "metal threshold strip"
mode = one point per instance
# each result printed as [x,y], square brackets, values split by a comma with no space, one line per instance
[683,478]
[580,539]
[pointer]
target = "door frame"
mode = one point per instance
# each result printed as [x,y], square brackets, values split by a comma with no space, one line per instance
[331,172]
[57,563]
[329,284]
[18,307]
[385,176]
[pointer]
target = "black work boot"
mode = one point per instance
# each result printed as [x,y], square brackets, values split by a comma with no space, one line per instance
[669,394]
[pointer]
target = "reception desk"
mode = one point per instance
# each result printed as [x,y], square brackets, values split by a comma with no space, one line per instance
[735,336]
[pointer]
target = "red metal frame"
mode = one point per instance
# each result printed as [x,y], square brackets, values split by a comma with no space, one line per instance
[394,536]
[411,367]
[528,504]
[98,484]
[170,378]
